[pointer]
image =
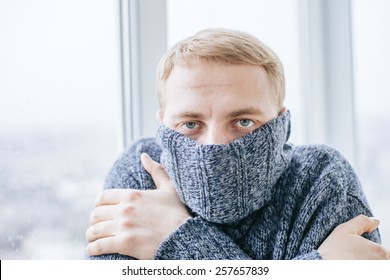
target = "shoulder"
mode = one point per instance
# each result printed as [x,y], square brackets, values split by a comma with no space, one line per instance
[143,145]
[323,169]
[320,154]
[320,159]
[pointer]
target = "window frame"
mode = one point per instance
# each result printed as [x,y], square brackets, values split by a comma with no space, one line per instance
[143,33]
[327,74]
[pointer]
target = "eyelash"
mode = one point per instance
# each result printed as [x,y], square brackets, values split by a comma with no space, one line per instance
[236,123]
[194,123]
[184,125]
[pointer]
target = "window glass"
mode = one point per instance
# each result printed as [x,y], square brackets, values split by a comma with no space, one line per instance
[372,63]
[273,22]
[59,121]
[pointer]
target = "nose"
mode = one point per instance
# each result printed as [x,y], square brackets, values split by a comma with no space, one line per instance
[216,136]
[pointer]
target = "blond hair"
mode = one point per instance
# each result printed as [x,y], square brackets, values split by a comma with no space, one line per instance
[226,47]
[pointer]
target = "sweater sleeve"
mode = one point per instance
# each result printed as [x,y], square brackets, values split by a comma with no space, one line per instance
[330,198]
[198,239]
[127,172]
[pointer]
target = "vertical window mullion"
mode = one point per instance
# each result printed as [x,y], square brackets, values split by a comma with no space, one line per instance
[327,74]
[143,41]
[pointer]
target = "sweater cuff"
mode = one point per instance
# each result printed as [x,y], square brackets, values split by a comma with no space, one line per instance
[198,239]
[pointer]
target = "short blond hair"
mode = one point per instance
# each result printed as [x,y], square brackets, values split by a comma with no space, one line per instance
[222,46]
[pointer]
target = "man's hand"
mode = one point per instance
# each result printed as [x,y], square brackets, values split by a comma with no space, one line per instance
[346,242]
[135,222]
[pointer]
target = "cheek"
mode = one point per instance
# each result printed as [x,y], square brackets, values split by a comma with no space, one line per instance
[239,132]
[235,134]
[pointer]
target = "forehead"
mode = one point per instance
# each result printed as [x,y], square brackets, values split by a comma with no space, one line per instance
[208,74]
[218,87]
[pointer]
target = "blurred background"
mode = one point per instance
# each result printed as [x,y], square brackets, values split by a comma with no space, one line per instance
[77,86]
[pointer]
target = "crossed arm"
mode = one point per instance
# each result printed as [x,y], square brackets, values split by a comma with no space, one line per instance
[136,222]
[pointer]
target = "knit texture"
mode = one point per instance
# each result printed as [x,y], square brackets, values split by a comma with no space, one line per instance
[310,190]
[225,183]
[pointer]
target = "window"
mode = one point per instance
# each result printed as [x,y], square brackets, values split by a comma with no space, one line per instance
[59,121]
[61,108]
[372,63]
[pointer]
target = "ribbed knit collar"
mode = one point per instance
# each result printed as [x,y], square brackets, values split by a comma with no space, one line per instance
[225,183]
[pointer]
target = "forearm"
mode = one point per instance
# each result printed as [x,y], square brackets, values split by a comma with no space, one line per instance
[198,239]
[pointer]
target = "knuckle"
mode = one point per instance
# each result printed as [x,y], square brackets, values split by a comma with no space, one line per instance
[125,223]
[133,195]
[127,210]
[364,218]
[340,227]
[128,239]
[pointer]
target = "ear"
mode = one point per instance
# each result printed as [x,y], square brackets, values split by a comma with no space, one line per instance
[282,110]
[159,115]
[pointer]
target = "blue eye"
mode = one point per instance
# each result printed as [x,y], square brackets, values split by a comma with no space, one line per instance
[190,125]
[245,123]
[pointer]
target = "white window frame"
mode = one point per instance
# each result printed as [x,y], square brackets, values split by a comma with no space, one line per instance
[143,29]
[327,74]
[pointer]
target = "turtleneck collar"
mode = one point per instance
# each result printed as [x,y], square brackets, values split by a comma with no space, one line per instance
[225,183]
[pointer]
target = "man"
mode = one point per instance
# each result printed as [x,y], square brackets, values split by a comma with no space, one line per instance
[229,185]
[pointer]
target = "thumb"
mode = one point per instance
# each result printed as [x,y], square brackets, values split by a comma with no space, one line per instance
[359,225]
[159,176]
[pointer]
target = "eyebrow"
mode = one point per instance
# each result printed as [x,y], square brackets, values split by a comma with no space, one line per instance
[234,114]
[246,111]
[188,115]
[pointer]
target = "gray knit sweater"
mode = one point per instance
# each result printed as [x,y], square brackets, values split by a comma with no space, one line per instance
[255,198]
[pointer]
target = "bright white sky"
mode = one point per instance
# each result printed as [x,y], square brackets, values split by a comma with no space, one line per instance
[372,57]
[59,62]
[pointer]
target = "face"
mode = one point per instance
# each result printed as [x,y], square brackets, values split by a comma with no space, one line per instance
[215,103]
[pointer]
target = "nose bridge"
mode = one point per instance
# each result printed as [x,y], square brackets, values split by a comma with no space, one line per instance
[216,135]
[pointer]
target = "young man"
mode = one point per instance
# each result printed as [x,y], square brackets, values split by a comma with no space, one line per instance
[229,185]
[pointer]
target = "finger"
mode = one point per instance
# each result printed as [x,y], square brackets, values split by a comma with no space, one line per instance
[378,252]
[102,213]
[359,225]
[111,196]
[160,177]
[100,230]
[102,246]
[387,254]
